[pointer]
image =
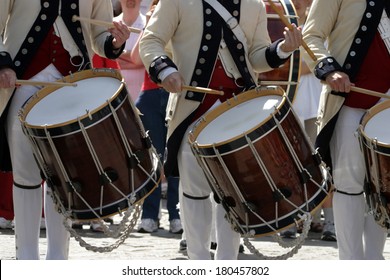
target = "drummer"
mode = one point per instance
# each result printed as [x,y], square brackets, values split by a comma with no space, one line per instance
[39,44]
[357,32]
[235,57]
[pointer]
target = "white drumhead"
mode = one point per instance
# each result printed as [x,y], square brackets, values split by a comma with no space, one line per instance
[68,103]
[377,126]
[239,119]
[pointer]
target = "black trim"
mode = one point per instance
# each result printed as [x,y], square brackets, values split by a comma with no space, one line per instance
[69,9]
[196,197]
[27,187]
[173,144]
[5,60]
[109,50]
[347,193]
[35,36]
[325,67]
[159,64]
[363,37]
[272,56]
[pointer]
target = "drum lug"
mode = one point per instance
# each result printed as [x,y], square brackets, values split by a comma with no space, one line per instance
[281,194]
[110,175]
[304,176]
[74,186]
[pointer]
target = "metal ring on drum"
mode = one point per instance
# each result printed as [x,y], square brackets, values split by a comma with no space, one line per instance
[259,161]
[91,147]
[375,145]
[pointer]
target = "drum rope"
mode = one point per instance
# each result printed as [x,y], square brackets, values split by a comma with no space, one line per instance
[295,157]
[127,145]
[296,244]
[124,230]
[261,164]
[56,155]
[101,170]
[231,179]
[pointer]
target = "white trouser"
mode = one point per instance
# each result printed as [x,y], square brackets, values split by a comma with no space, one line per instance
[197,213]
[28,201]
[358,235]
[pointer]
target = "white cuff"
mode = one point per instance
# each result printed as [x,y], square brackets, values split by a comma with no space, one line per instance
[281,53]
[166,72]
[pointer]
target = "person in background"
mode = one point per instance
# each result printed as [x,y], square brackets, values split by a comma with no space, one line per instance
[356,54]
[202,43]
[152,102]
[41,42]
[132,72]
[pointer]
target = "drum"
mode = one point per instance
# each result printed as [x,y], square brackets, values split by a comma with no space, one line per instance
[259,162]
[286,76]
[91,145]
[375,144]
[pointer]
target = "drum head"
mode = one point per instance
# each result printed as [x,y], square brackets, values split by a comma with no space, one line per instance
[239,119]
[376,122]
[58,106]
[237,116]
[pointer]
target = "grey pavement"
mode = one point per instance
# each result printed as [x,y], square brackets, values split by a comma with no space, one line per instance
[163,245]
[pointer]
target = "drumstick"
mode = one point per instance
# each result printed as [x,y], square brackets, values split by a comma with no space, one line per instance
[42,83]
[289,26]
[370,92]
[104,23]
[281,83]
[204,90]
[313,56]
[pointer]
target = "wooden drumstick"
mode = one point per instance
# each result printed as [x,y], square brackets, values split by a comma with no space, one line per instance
[104,23]
[370,92]
[289,26]
[204,90]
[313,56]
[42,83]
[280,83]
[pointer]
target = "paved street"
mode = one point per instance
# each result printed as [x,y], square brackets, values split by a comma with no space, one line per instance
[163,245]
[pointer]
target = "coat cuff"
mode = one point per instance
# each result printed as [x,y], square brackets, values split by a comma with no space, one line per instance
[109,50]
[5,60]
[272,56]
[159,64]
[325,67]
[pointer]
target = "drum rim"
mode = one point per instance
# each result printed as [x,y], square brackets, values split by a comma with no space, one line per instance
[367,117]
[295,58]
[75,77]
[231,103]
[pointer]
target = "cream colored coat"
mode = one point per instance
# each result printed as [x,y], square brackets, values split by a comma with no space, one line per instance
[336,21]
[181,22]
[17,17]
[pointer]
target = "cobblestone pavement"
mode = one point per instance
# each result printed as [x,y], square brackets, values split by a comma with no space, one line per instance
[163,245]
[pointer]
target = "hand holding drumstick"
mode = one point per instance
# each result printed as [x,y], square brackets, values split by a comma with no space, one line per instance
[119,30]
[338,81]
[174,82]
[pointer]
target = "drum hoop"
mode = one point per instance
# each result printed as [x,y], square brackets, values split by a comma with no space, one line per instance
[295,58]
[373,111]
[79,76]
[231,103]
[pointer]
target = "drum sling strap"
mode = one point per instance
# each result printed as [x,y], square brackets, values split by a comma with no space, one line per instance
[232,26]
